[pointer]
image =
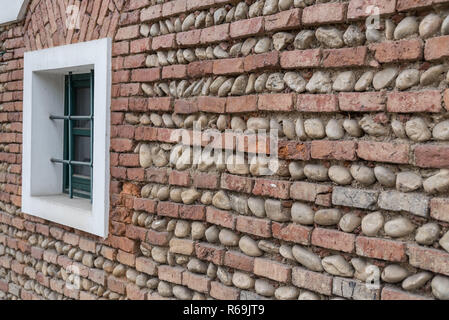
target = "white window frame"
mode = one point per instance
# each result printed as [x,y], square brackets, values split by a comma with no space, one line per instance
[43,139]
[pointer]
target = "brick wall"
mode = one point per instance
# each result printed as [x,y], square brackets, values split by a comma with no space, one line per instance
[362,183]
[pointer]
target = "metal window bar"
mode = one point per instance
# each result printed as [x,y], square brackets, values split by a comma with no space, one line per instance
[70,118]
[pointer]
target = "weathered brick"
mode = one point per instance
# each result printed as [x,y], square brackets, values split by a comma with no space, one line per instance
[246,28]
[432,156]
[314,281]
[284,20]
[170,274]
[196,282]
[261,61]
[272,270]
[236,183]
[418,101]
[324,13]
[221,292]
[349,197]
[346,57]
[333,239]
[146,265]
[276,102]
[273,188]
[181,246]
[241,104]
[220,217]
[301,59]
[317,103]
[383,249]
[403,5]
[307,191]
[354,289]
[291,232]
[396,51]
[215,34]
[334,150]
[415,203]
[210,252]
[392,293]
[362,102]
[439,209]
[255,226]
[359,8]
[238,260]
[428,259]
[383,152]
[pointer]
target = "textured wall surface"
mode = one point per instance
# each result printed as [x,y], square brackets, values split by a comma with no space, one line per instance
[357,207]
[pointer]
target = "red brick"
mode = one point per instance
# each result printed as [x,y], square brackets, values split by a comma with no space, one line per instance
[134,292]
[334,150]
[98,276]
[324,13]
[140,45]
[215,34]
[439,209]
[157,238]
[428,259]
[292,150]
[164,42]
[71,238]
[151,13]
[419,101]
[383,152]
[146,75]
[196,282]
[276,102]
[146,205]
[272,270]
[175,7]
[168,209]
[317,103]
[291,232]
[135,232]
[205,180]
[186,106]
[380,249]
[437,48]
[273,188]
[362,102]
[358,8]
[160,104]
[333,239]
[126,33]
[123,243]
[193,212]
[446,99]
[314,281]
[117,285]
[283,20]
[146,265]
[238,260]
[179,178]
[128,259]
[246,28]
[403,5]
[209,252]
[200,68]
[157,175]
[221,292]
[432,156]
[220,217]
[236,183]
[255,226]
[261,61]
[188,38]
[307,191]
[177,71]
[170,274]
[228,66]
[211,104]
[391,293]
[346,57]
[301,59]
[241,104]
[395,51]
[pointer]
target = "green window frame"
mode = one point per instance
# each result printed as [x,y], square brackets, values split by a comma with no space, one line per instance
[78,126]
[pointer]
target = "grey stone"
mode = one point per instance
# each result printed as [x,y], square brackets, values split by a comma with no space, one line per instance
[438,183]
[295,81]
[334,130]
[198,229]
[398,129]
[429,25]
[264,288]
[182,293]
[330,37]
[444,242]
[416,281]
[384,78]
[249,295]
[304,39]
[407,79]
[296,170]
[319,83]
[190,196]
[182,229]
[363,174]
[432,75]
[338,266]
[394,273]
[281,40]
[405,28]
[408,181]
[370,126]
[257,206]
[399,227]
[316,172]
[228,238]
[275,82]
[263,45]
[242,280]
[302,213]
[249,247]
[270,7]
[428,233]
[385,176]
[211,234]
[349,222]
[417,204]
[364,81]
[197,266]
[340,175]
[307,258]
[286,293]
[349,197]
[345,81]
[352,127]
[441,131]
[417,130]
[327,217]
[445,26]
[314,128]
[372,223]
[440,287]
[221,200]
[353,36]
[275,211]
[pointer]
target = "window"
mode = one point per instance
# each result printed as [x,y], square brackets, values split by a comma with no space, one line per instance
[66,133]
[78,128]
